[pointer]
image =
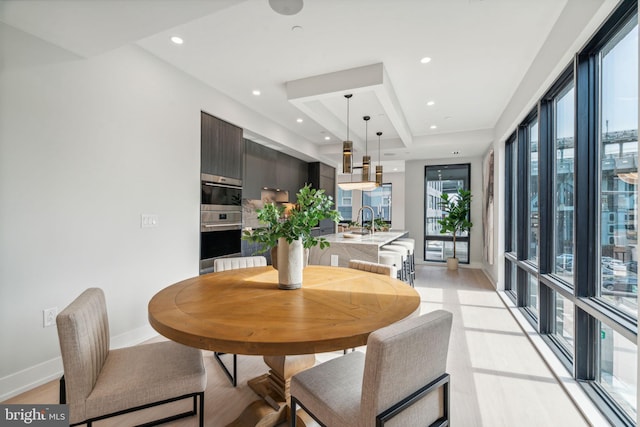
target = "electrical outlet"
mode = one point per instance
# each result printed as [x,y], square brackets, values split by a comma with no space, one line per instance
[49,317]
[334,260]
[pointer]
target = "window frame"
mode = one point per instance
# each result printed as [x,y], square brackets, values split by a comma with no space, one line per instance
[443,237]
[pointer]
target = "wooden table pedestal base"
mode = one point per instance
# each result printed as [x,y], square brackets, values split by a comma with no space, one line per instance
[273,387]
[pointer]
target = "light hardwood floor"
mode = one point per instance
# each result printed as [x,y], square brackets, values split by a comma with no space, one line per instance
[497,377]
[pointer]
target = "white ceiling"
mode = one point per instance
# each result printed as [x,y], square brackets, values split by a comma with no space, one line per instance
[480,50]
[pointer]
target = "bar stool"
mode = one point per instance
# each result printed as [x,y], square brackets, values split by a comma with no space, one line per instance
[392,258]
[413,259]
[410,245]
[404,251]
[404,268]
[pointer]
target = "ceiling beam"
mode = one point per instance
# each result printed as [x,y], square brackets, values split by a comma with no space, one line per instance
[310,96]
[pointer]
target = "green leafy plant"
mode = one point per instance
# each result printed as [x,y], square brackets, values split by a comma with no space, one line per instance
[380,224]
[456,208]
[311,207]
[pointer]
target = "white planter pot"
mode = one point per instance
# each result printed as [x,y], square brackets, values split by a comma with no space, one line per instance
[274,257]
[290,264]
[452,263]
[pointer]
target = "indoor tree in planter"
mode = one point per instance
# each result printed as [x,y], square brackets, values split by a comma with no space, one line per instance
[456,208]
[290,230]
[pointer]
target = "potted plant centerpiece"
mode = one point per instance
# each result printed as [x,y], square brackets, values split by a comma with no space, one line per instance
[456,208]
[289,229]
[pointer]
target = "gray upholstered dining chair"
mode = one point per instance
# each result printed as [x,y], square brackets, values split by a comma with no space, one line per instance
[234,263]
[372,267]
[100,383]
[401,378]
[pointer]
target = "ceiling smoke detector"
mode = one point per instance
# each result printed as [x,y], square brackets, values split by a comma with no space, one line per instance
[286,7]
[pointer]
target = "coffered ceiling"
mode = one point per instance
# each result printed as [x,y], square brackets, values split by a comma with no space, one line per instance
[303,64]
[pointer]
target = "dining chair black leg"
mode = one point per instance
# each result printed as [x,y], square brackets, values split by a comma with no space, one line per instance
[233,378]
[293,412]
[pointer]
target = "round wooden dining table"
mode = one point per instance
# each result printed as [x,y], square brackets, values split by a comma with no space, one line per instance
[243,312]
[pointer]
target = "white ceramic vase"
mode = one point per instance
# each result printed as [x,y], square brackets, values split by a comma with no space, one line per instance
[290,264]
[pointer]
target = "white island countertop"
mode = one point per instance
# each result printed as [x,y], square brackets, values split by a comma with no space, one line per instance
[378,238]
[352,246]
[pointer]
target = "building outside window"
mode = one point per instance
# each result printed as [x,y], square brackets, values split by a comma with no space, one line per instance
[344,205]
[619,170]
[563,182]
[532,142]
[380,200]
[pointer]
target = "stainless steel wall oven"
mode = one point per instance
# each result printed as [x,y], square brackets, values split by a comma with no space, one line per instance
[220,219]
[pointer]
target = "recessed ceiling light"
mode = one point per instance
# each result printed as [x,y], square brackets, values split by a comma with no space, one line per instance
[326,138]
[177,40]
[425,60]
[395,169]
[299,120]
[256,92]
[433,127]
[430,103]
[296,28]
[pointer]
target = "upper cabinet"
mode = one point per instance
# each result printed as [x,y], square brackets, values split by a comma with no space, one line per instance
[323,177]
[267,168]
[291,174]
[259,170]
[222,147]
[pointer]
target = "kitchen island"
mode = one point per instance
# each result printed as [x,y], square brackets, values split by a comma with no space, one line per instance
[347,246]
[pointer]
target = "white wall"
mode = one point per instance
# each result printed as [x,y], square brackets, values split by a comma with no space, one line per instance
[86,147]
[414,205]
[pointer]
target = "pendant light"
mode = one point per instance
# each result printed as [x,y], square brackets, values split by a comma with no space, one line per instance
[366,159]
[365,183]
[379,166]
[347,146]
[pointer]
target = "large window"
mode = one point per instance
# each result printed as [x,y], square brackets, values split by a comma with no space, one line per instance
[344,204]
[532,294]
[563,182]
[619,169]
[562,323]
[571,216]
[438,180]
[380,200]
[618,369]
[532,142]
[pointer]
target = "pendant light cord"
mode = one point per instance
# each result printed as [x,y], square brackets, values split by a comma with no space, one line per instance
[366,131]
[379,133]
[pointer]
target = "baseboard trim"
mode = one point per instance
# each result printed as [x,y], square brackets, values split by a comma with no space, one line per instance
[36,375]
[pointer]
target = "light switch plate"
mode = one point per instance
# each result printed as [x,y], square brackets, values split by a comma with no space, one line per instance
[148,220]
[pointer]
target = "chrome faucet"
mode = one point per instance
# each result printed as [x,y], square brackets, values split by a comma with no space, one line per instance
[373,215]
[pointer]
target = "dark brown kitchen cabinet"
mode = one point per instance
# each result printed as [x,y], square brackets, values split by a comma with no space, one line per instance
[291,174]
[268,168]
[222,147]
[322,176]
[260,169]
